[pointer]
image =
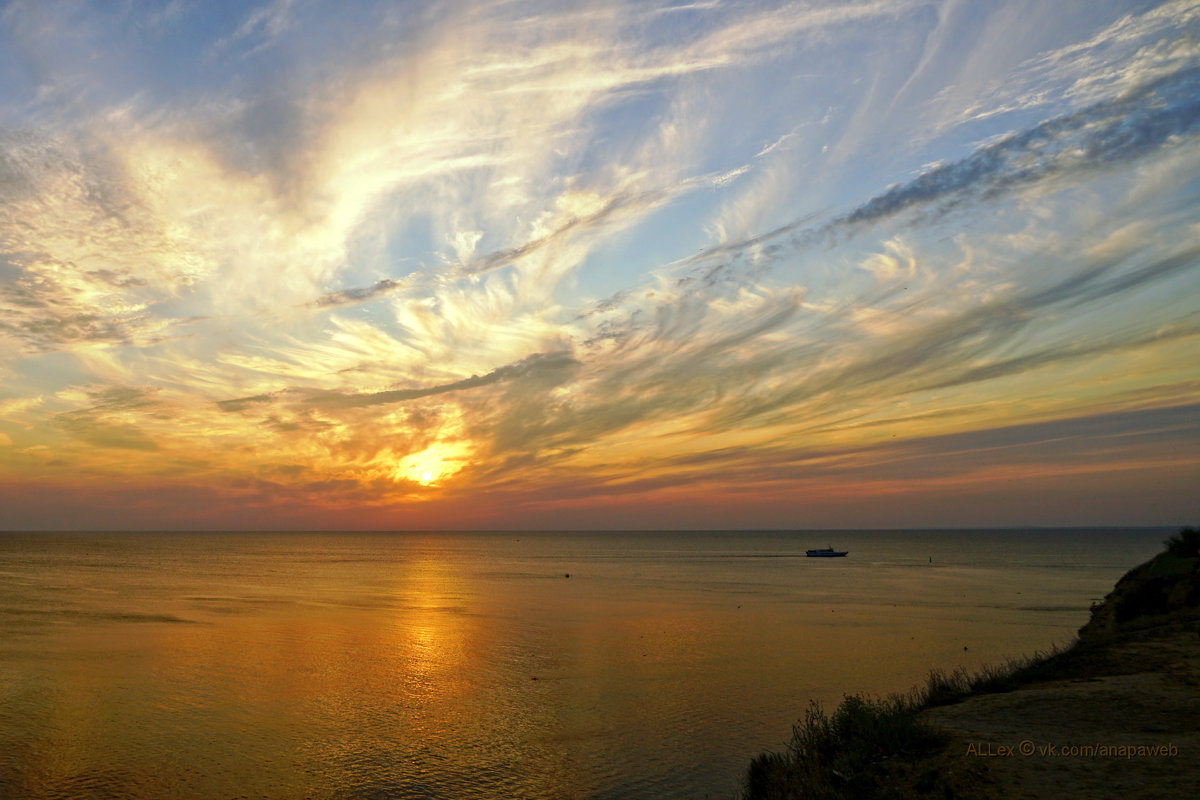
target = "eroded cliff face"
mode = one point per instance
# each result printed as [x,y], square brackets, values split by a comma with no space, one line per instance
[1165,586]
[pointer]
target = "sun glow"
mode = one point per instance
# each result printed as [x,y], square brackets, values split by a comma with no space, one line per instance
[432,465]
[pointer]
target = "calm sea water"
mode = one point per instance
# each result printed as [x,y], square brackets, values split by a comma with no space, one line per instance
[454,665]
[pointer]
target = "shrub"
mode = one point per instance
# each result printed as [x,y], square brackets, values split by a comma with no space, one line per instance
[1185,544]
[841,755]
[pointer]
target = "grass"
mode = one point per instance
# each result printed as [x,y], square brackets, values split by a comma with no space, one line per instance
[854,752]
[1079,660]
[841,755]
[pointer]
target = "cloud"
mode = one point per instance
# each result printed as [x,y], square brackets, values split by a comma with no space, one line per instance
[774,365]
[1131,51]
[267,23]
[538,365]
[693,358]
[104,434]
[101,425]
[352,296]
[77,248]
[974,344]
[1101,137]
[570,78]
[1085,441]
[1105,137]
[243,403]
[1090,436]
[805,477]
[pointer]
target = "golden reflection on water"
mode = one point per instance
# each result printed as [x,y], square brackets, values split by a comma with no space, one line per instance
[429,632]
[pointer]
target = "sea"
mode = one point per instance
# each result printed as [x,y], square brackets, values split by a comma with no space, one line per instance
[511,664]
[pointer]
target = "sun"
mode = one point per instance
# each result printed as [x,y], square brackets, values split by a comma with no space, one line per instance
[430,466]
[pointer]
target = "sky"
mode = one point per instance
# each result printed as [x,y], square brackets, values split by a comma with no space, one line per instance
[569,265]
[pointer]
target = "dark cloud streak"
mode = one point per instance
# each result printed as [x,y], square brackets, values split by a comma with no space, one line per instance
[554,364]
[537,364]
[352,296]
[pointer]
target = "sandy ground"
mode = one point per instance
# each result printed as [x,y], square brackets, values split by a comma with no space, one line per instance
[1127,727]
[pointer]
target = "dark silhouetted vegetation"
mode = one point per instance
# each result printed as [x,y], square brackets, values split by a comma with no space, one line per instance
[843,755]
[1185,544]
[1167,583]
[852,754]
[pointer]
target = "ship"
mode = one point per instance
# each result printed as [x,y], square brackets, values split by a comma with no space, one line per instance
[826,552]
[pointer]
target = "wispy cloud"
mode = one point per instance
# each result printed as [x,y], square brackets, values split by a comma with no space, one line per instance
[264,25]
[538,255]
[1101,138]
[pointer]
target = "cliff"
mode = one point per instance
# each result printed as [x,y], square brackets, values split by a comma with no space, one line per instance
[1111,717]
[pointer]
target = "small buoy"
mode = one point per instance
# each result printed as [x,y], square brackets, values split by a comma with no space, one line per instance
[567,575]
[964,648]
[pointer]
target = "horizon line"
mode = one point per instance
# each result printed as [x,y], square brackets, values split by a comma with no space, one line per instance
[944,528]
